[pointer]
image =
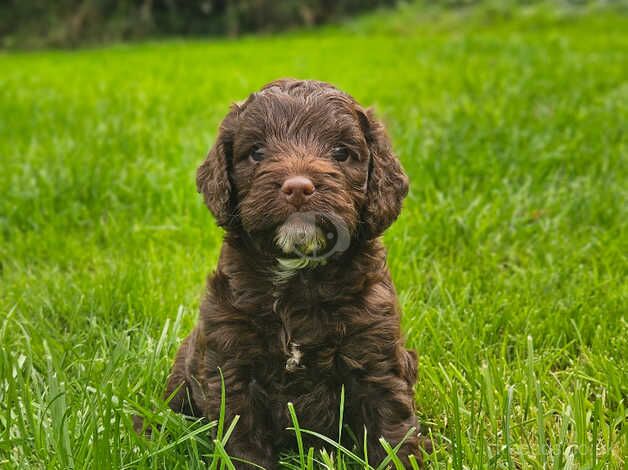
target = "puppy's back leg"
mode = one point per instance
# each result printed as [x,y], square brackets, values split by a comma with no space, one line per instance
[178,390]
[178,393]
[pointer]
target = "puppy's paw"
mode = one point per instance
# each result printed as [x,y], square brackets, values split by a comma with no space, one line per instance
[140,429]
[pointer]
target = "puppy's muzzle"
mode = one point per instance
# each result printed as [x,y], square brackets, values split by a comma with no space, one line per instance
[313,236]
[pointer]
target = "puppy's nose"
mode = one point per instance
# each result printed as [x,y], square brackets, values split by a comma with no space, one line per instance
[297,189]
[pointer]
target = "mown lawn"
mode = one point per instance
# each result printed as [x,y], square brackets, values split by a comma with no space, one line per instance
[509,257]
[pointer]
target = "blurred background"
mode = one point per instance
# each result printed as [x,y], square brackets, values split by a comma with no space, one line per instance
[72,22]
[69,23]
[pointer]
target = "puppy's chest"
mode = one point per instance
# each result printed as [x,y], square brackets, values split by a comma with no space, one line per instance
[304,340]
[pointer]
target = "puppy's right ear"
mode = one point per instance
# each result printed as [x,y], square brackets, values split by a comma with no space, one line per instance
[387,183]
[214,176]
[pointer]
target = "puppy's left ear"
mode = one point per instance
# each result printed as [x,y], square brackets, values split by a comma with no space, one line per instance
[213,177]
[387,183]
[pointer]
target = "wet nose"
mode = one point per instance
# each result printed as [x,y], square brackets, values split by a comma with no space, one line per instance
[297,189]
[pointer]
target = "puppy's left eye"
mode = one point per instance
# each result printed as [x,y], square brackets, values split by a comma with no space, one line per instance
[340,153]
[257,154]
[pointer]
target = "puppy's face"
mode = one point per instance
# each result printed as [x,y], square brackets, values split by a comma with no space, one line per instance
[303,169]
[300,169]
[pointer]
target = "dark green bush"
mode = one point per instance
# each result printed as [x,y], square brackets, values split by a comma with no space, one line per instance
[70,22]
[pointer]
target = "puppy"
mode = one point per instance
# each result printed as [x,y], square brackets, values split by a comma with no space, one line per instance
[304,182]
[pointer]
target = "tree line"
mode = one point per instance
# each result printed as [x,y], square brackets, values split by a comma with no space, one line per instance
[32,23]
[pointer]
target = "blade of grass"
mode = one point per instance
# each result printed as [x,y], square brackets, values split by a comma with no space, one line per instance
[340,420]
[335,445]
[297,432]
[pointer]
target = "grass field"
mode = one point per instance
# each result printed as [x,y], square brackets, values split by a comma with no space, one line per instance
[509,257]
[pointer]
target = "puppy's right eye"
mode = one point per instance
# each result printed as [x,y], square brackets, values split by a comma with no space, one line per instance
[340,154]
[257,154]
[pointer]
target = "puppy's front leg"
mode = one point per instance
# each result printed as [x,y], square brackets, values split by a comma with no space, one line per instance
[251,440]
[195,389]
[386,413]
[382,402]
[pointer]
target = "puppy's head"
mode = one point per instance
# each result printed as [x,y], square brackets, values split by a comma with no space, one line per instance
[303,169]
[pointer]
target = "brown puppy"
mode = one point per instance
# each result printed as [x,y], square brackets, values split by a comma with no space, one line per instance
[304,181]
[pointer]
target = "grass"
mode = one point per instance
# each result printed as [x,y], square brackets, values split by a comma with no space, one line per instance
[509,257]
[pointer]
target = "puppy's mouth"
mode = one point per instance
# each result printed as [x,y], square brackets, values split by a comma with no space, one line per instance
[311,236]
[300,235]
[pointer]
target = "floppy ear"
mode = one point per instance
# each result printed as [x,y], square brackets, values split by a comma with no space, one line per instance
[213,177]
[387,183]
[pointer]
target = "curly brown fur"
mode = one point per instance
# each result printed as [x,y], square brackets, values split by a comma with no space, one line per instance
[298,329]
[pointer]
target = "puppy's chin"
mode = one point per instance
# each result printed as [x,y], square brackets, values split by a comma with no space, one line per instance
[300,236]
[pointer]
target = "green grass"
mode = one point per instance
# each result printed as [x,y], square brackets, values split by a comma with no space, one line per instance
[509,257]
